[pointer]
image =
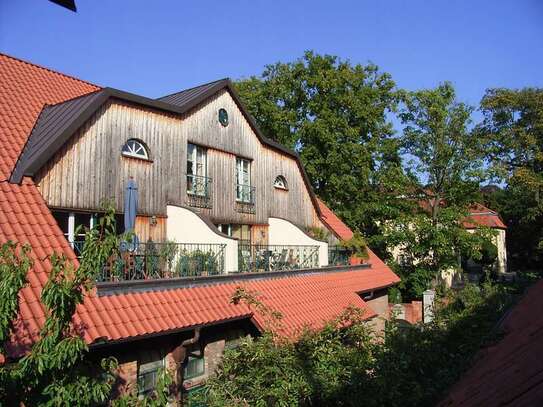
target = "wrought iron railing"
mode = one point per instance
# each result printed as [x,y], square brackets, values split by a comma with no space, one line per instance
[199,191]
[148,261]
[261,258]
[245,198]
[338,256]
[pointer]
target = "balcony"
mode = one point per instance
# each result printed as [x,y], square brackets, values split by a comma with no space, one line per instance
[199,191]
[154,261]
[338,256]
[245,198]
[266,258]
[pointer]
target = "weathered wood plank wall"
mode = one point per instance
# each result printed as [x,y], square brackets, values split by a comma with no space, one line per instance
[90,168]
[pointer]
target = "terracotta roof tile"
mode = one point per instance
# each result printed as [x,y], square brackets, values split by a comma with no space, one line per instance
[511,371]
[480,215]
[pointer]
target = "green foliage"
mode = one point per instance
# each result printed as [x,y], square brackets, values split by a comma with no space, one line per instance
[196,262]
[14,265]
[159,397]
[343,364]
[319,233]
[334,114]
[512,134]
[357,246]
[312,371]
[444,152]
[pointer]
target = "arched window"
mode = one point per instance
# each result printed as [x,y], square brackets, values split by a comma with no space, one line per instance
[280,182]
[135,148]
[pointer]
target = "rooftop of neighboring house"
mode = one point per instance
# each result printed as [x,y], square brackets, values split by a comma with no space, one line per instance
[509,372]
[479,215]
[303,299]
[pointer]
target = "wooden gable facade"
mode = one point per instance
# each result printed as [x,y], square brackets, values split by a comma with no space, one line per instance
[90,169]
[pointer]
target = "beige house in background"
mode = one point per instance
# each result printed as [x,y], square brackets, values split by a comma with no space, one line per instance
[479,216]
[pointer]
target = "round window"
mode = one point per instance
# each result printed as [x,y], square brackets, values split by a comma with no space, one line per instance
[223,117]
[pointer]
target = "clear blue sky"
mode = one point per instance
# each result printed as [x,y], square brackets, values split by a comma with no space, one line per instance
[156,47]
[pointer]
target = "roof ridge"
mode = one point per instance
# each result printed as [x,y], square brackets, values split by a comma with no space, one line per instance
[47,105]
[49,70]
[194,87]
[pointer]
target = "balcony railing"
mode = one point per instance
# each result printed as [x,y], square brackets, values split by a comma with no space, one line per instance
[149,261]
[338,256]
[245,198]
[263,258]
[199,191]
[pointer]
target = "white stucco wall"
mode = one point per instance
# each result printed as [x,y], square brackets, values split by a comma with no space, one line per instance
[283,232]
[185,226]
[499,240]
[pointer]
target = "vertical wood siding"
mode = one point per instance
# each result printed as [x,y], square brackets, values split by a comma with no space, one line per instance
[145,231]
[90,169]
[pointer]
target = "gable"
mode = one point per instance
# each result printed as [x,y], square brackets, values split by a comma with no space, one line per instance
[57,124]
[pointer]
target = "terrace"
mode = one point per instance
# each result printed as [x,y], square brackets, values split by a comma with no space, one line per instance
[158,261]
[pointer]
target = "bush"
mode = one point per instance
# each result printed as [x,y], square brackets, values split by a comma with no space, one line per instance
[343,364]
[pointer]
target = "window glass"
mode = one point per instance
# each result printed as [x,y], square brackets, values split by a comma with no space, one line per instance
[196,170]
[194,365]
[243,233]
[62,221]
[243,180]
[82,221]
[225,228]
[135,148]
[280,182]
[149,365]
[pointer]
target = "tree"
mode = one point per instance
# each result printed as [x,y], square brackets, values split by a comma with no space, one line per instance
[512,132]
[446,157]
[334,114]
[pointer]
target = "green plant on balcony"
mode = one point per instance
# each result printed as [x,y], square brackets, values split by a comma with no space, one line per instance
[197,263]
[167,252]
[318,233]
[356,246]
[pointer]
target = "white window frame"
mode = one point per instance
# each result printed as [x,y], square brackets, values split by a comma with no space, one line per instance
[280,182]
[136,149]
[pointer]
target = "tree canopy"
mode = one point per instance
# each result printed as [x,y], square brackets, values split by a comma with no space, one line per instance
[334,114]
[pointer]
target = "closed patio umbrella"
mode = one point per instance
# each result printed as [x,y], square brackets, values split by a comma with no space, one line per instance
[130,205]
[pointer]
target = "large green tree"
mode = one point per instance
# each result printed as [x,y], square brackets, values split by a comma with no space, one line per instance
[334,114]
[442,151]
[512,132]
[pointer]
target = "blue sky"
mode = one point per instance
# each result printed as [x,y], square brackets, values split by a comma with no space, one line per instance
[157,47]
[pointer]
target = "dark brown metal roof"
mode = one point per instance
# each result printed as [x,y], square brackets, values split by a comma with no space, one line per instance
[187,95]
[55,124]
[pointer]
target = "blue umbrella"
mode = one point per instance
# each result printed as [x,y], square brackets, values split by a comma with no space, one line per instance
[130,205]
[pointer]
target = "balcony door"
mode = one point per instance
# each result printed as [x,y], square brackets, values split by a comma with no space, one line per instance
[243,180]
[196,170]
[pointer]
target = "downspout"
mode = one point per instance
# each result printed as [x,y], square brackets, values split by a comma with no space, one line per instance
[179,354]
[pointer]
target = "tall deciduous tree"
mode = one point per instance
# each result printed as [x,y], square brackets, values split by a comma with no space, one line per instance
[513,133]
[445,155]
[334,114]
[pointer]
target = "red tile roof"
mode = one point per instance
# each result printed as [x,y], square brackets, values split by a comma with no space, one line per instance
[25,217]
[511,371]
[343,232]
[480,215]
[336,225]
